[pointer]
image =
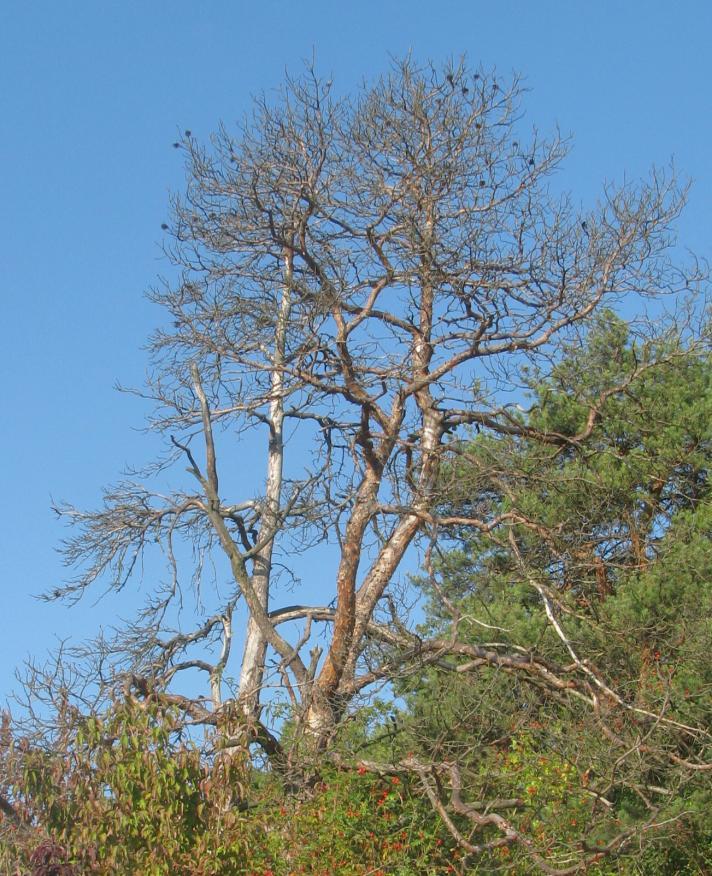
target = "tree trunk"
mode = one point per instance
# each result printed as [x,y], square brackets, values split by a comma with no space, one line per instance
[255,653]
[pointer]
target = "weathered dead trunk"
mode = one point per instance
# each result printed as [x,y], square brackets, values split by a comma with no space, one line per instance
[255,652]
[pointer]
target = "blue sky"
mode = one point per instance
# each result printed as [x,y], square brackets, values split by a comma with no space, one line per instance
[92,95]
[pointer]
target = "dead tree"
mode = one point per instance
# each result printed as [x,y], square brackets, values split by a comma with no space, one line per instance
[366,275]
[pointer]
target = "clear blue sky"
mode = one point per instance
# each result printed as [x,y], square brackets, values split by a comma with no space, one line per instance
[92,94]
